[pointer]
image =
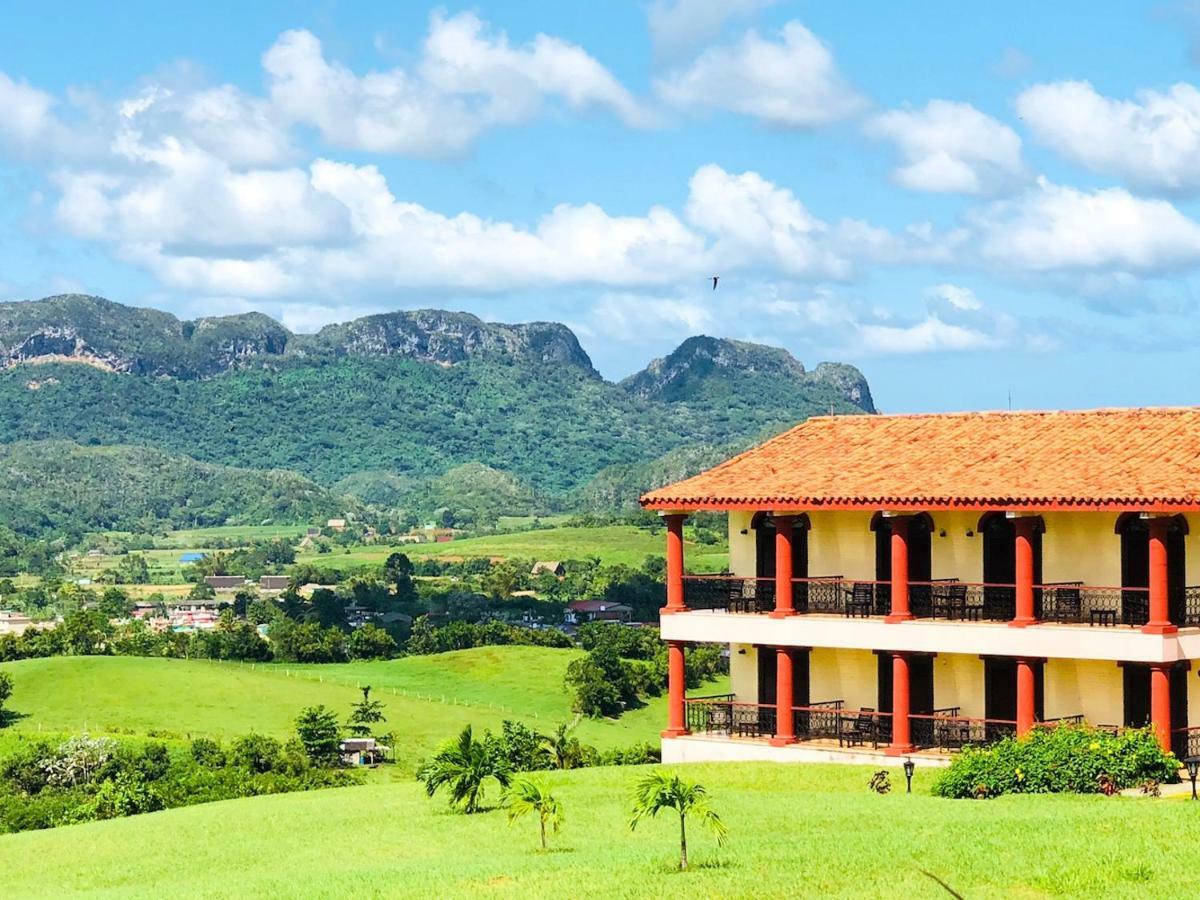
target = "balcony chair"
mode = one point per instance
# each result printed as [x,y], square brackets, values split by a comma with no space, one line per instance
[854,732]
[861,600]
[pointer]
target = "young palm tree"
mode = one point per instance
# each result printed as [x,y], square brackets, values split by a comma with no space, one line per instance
[526,797]
[658,791]
[464,765]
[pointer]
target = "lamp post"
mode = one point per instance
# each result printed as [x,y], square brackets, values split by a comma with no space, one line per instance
[1193,767]
[910,766]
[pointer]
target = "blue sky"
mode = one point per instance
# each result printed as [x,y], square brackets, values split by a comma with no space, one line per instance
[967,202]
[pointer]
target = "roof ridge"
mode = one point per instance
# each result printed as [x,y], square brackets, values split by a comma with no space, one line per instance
[1004,413]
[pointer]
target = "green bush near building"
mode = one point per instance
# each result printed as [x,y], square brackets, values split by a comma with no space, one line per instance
[1067,759]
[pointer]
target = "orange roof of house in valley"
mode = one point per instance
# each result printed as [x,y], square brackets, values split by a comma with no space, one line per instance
[1095,459]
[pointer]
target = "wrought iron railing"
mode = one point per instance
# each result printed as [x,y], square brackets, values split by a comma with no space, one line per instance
[1063,602]
[1060,720]
[1191,606]
[730,718]
[1077,603]
[953,732]
[1185,742]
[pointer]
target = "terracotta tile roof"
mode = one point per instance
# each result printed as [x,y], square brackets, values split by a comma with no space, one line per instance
[1096,459]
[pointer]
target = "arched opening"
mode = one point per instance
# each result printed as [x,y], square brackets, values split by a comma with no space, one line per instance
[998,535]
[764,556]
[920,563]
[1135,568]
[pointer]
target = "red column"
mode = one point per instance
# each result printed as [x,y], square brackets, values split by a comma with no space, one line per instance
[675,599]
[783,568]
[1160,703]
[1025,697]
[901,735]
[1024,554]
[676,684]
[1160,617]
[785,731]
[900,611]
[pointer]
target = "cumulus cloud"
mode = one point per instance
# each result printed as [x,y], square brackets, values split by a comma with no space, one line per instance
[467,81]
[1152,141]
[950,147]
[677,26]
[28,121]
[792,81]
[1053,227]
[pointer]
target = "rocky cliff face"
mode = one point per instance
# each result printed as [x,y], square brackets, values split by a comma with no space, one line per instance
[437,336]
[706,368]
[118,338]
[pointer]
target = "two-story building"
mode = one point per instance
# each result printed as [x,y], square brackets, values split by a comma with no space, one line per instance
[923,582]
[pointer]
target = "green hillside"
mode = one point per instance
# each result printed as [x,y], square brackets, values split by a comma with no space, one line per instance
[794,831]
[427,699]
[61,486]
[419,410]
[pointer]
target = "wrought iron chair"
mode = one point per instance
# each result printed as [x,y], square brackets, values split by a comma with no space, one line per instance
[862,600]
[856,731]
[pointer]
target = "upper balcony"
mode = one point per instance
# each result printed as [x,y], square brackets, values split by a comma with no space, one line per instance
[1068,603]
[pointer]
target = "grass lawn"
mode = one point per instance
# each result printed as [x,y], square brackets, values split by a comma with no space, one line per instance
[613,544]
[794,831]
[174,698]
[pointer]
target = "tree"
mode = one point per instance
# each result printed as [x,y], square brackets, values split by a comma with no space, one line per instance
[365,715]
[526,797]
[319,732]
[565,752]
[371,642]
[398,570]
[658,791]
[115,604]
[464,766]
[6,683]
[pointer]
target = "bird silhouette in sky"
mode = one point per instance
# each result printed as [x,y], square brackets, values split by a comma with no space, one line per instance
[715,279]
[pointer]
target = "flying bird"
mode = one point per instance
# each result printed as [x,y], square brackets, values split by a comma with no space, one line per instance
[715,279]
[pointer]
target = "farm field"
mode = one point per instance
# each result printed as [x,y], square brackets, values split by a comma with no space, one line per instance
[613,544]
[180,699]
[794,830]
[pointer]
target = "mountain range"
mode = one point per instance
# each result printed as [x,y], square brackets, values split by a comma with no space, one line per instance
[413,410]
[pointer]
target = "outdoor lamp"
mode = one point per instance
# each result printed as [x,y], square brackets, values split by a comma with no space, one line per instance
[1193,767]
[910,766]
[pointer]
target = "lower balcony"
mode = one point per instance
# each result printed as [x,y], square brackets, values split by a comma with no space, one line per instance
[1068,603]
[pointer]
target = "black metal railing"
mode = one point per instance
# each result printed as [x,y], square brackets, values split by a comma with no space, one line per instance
[1069,602]
[1060,720]
[1185,742]
[1191,606]
[730,718]
[947,733]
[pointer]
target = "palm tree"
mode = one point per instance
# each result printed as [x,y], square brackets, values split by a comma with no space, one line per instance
[565,751]
[658,791]
[464,765]
[526,797]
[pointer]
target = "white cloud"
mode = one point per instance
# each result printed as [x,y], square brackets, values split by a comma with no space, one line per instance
[677,26]
[928,335]
[1153,141]
[466,82]
[950,147]
[27,121]
[1054,227]
[789,82]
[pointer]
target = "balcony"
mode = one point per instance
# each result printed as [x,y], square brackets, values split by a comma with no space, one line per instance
[831,724]
[1068,603]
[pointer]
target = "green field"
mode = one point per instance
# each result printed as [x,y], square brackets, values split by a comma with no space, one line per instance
[794,831]
[427,699]
[612,544]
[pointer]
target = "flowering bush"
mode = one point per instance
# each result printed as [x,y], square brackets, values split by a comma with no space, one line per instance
[1067,759]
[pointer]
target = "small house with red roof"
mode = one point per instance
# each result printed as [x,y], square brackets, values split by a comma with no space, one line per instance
[919,583]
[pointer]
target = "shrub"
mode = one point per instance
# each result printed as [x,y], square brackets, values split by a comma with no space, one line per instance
[208,753]
[1066,759]
[256,752]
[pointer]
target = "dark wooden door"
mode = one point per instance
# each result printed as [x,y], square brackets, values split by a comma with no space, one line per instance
[1000,690]
[999,567]
[1137,695]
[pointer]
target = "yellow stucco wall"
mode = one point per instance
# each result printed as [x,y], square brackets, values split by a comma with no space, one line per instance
[958,681]
[741,546]
[743,672]
[849,675]
[1076,546]
[1093,688]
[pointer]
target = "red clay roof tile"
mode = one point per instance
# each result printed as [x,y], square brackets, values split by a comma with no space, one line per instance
[1095,459]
